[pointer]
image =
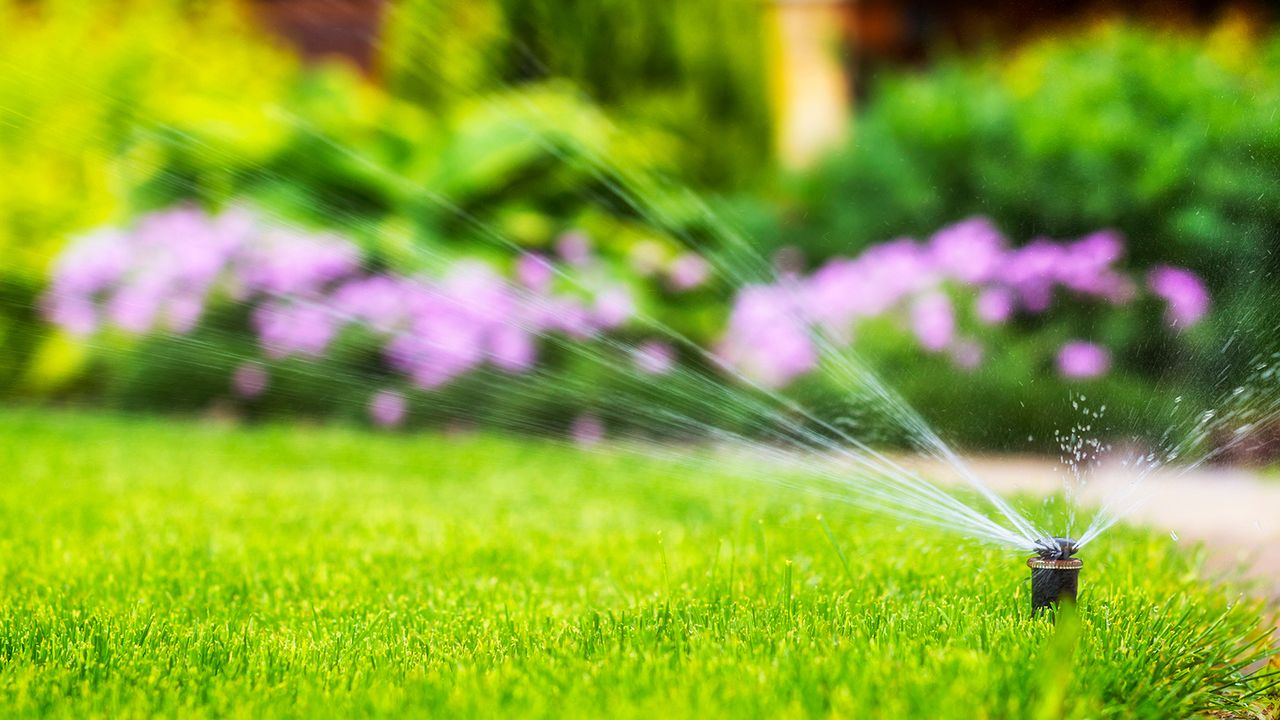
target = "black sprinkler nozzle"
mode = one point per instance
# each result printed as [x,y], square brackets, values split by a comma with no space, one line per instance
[1055,575]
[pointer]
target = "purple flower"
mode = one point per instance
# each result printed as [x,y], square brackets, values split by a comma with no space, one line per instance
[414,356]
[286,329]
[933,321]
[183,311]
[512,349]
[534,272]
[969,251]
[1032,271]
[379,300]
[994,306]
[1085,267]
[93,263]
[303,289]
[443,347]
[654,357]
[563,314]
[688,271]
[768,334]
[164,269]
[898,268]
[842,291]
[74,313]
[768,339]
[1183,291]
[613,307]
[1098,250]
[286,262]
[574,247]
[474,289]
[388,408]
[249,380]
[587,429]
[134,307]
[1081,360]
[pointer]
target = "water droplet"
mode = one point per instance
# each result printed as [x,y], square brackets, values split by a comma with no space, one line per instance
[1173,535]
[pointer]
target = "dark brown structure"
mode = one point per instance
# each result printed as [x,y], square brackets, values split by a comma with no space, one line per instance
[326,28]
[889,32]
[906,31]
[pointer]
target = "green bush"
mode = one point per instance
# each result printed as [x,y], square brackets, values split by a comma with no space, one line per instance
[697,70]
[1170,138]
[83,85]
[84,81]
[233,120]
[491,177]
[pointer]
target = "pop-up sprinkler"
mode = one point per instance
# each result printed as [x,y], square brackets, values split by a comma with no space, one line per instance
[1055,575]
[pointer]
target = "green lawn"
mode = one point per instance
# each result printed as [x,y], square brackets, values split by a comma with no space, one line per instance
[175,568]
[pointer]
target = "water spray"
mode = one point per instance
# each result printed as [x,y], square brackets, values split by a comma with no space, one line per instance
[1055,575]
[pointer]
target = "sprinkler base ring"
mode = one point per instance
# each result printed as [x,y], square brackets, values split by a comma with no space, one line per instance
[1052,581]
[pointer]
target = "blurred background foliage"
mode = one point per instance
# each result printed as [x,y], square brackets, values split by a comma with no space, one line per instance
[120,107]
[1169,137]
[484,129]
[697,70]
[80,85]
[84,83]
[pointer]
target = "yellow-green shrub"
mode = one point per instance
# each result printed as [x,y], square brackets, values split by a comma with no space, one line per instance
[79,80]
[80,83]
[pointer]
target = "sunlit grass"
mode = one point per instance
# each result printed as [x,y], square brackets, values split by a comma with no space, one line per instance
[173,568]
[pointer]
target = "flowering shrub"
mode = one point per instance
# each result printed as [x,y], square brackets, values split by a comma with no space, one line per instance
[317,302]
[965,272]
[1056,137]
[70,118]
[305,289]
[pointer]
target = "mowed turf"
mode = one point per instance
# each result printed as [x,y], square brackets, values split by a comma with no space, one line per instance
[182,569]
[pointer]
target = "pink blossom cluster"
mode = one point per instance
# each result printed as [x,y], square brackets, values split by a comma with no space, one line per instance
[304,289]
[965,270]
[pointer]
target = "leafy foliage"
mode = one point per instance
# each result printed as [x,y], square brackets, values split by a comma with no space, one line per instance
[1168,138]
[696,70]
[83,86]
[84,82]
[487,176]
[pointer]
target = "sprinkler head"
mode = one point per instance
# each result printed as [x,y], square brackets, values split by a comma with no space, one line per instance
[1056,548]
[1055,575]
